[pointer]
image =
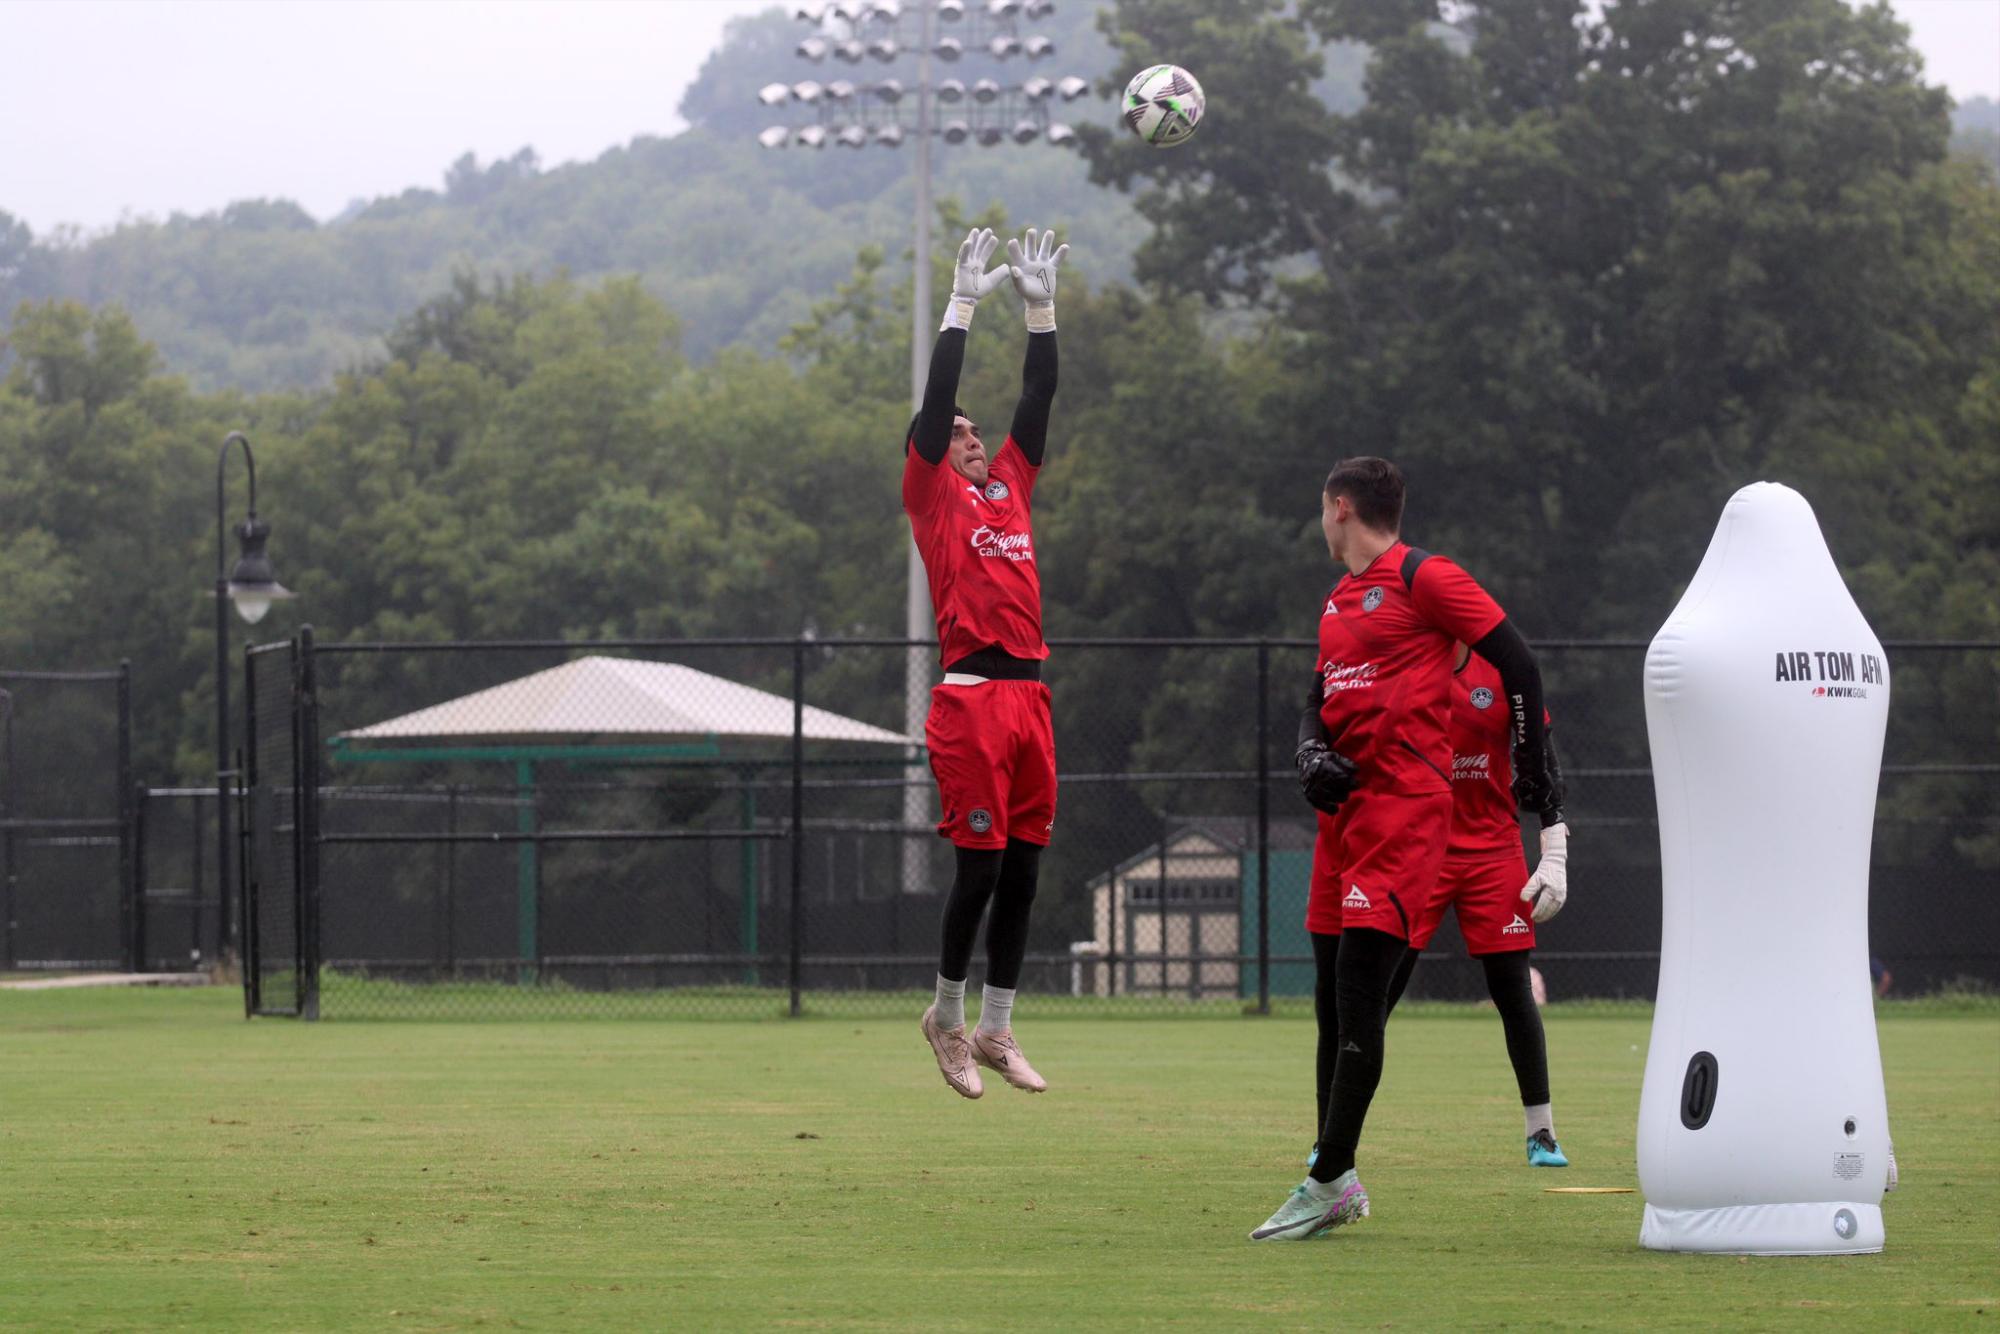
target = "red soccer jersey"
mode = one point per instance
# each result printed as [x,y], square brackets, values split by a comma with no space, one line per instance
[979,553]
[1483,819]
[1385,665]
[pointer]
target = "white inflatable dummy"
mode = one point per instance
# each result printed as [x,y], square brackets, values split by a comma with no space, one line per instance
[1763,1127]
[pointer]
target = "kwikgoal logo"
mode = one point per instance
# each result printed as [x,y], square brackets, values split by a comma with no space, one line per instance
[1355,898]
[1014,546]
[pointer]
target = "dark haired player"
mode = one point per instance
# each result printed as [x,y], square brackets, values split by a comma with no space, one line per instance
[1485,878]
[1373,757]
[991,745]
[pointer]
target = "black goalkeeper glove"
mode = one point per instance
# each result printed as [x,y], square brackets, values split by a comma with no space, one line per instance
[1538,785]
[1326,777]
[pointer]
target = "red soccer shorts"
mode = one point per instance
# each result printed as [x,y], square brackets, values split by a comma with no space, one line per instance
[993,753]
[1487,893]
[1376,862]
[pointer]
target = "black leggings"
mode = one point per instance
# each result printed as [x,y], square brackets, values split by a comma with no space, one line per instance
[1361,965]
[1007,878]
[1513,993]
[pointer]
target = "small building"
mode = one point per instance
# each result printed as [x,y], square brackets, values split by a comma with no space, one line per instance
[1179,918]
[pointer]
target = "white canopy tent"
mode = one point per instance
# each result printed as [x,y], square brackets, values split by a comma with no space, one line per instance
[600,696]
[613,711]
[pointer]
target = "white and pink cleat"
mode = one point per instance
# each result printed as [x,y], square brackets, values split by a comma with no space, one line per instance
[999,1053]
[954,1056]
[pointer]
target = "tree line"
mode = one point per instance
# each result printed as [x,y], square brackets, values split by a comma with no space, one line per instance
[1583,280]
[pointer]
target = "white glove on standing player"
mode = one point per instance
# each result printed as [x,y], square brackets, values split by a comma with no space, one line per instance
[970,280]
[1548,887]
[1033,260]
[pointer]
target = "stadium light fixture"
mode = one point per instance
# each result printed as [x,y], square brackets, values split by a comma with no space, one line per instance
[852,136]
[813,136]
[1003,46]
[1061,134]
[851,51]
[889,136]
[808,13]
[775,94]
[807,91]
[951,90]
[1036,89]
[990,135]
[1039,47]
[948,48]
[813,49]
[1038,9]
[950,11]
[777,136]
[986,90]
[890,91]
[1026,132]
[1071,87]
[884,49]
[1003,9]
[840,90]
[956,132]
[847,9]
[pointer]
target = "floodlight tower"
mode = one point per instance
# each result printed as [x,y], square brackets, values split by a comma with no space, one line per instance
[985,112]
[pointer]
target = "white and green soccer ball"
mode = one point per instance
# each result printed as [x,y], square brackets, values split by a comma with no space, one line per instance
[1163,105]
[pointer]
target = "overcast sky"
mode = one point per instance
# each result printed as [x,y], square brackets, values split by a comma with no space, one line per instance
[111,108]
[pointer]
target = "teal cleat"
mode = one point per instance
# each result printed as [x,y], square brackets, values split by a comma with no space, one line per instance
[1543,1151]
[1304,1215]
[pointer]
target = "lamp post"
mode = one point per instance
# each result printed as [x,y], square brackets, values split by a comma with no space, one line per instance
[253,587]
[987,113]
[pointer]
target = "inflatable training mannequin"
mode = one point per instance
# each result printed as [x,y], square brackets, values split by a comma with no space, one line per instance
[1763,1127]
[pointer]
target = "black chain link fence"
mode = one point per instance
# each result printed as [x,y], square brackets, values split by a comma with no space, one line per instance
[66,821]
[562,829]
[180,902]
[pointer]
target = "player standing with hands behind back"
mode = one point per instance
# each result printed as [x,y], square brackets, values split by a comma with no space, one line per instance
[1373,757]
[991,745]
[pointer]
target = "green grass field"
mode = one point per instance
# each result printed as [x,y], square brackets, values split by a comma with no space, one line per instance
[169,1166]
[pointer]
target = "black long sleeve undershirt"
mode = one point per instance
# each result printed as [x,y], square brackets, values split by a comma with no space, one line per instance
[1038,392]
[1521,679]
[930,436]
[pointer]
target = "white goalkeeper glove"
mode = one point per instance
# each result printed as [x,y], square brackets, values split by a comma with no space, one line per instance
[1548,887]
[1033,260]
[970,280]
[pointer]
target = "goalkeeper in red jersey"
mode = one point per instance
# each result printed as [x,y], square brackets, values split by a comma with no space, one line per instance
[991,745]
[1373,757]
[1485,879]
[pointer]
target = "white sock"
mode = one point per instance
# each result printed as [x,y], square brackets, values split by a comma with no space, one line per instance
[996,1009]
[1539,1117]
[1330,1190]
[950,1002]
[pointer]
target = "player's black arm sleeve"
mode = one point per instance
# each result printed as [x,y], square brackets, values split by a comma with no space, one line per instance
[932,433]
[1038,392]
[1558,790]
[1521,678]
[1310,727]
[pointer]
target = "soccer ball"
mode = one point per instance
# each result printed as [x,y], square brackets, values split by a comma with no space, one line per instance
[1163,104]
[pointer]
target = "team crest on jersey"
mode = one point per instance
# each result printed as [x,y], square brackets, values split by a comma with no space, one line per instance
[1371,599]
[979,821]
[1482,698]
[996,490]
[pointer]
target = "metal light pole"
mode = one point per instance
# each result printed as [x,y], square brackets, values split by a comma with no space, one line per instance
[252,586]
[849,116]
